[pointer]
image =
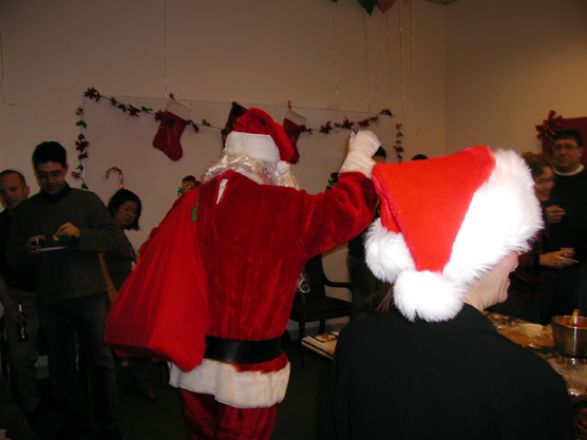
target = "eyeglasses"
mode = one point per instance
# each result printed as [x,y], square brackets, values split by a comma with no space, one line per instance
[560,147]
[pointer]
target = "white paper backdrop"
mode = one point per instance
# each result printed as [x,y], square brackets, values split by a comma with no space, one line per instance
[117,139]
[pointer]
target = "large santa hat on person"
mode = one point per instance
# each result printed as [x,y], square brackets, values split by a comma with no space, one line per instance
[259,137]
[447,221]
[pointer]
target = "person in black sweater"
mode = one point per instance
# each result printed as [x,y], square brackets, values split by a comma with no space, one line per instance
[431,366]
[364,285]
[59,233]
[567,225]
[19,292]
[126,207]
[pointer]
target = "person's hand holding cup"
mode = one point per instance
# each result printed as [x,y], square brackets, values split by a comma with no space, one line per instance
[554,214]
[559,259]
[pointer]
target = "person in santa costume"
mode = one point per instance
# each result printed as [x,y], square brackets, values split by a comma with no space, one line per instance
[431,365]
[214,287]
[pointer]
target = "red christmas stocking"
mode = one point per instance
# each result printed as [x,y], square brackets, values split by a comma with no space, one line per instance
[294,124]
[167,138]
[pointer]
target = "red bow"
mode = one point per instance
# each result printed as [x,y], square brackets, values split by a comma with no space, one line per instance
[548,127]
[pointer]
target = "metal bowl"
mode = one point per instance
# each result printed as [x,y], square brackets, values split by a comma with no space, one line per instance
[570,339]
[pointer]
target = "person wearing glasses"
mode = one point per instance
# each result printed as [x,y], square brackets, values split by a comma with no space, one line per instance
[567,223]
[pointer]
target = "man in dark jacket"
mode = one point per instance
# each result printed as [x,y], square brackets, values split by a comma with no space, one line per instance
[59,232]
[19,292]
[566,287]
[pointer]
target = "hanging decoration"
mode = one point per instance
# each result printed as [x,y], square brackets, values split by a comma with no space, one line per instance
[120,175]
[294,124]
[236,110]
[553,123]
[81,145]
[171,126]
[369,5]
[384,5]
[399,139]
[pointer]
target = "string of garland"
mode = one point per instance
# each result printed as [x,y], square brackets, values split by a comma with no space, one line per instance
[399,139]
[82,144]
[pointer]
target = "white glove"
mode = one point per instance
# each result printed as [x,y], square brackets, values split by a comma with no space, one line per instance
[364,141]
[362,147]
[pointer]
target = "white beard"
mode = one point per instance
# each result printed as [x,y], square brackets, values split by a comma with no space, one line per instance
[261,172]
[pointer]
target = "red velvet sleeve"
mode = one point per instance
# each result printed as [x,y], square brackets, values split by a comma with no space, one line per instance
[335,216]
[161,310]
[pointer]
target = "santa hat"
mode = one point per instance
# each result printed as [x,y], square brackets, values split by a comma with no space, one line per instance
[259,137]
[447,221]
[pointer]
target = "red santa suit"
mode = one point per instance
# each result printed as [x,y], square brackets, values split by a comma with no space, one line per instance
[246,245]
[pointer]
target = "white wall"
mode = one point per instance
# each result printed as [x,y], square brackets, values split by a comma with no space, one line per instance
[259,51]
[508,64]
[319,54]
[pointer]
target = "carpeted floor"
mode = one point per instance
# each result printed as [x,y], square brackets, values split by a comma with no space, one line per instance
[303,415]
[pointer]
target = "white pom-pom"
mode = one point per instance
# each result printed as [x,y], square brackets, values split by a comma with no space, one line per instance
[386,253]
[427,295]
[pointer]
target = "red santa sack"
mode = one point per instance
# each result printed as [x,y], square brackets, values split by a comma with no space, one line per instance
[161,310]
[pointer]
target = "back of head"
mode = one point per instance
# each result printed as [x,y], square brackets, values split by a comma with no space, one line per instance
[189,178]
[258,136]
[447,221]
[259,148]
[380,155]
[49,151]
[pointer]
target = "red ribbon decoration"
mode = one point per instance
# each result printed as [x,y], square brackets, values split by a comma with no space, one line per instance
[548,127]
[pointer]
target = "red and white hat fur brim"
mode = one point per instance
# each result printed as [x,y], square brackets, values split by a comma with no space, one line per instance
[503,216]
[256,146]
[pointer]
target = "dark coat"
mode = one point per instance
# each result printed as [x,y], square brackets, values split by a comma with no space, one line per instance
[458,379]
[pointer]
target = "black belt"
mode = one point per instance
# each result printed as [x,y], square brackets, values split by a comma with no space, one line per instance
[242,352]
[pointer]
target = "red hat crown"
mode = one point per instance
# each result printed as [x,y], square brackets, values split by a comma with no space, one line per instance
[257,122]
[447,221]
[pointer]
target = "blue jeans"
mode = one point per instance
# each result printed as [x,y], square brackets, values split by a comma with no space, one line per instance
[81,321]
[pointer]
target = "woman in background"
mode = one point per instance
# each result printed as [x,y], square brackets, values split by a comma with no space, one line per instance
[125,207]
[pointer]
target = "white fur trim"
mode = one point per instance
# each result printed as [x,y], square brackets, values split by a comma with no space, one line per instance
[427,295]
[502,217]
[386,253]
[256,146]
[240,389]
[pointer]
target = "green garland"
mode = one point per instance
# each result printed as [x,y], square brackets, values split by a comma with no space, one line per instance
[82,144]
